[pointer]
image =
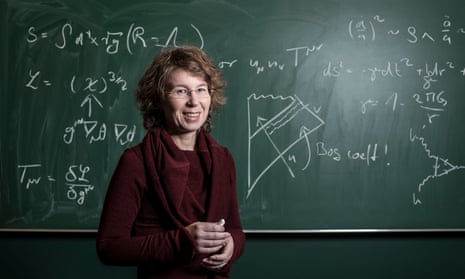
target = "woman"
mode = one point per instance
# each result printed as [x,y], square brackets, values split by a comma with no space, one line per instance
[171,206]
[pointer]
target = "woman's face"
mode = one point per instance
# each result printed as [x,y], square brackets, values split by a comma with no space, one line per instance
[187,104]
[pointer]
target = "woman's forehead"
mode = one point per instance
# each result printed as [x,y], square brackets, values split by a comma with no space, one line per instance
[180,76]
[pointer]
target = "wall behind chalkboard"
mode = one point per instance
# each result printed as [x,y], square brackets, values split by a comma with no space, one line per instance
[341,114]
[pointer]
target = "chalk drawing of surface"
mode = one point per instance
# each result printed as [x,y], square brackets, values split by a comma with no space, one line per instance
[276,125]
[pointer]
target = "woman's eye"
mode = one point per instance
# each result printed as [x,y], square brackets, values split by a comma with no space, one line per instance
[181,91]
[202,90]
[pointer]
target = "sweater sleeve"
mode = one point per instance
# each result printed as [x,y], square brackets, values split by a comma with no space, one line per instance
[233,225]
[116,243]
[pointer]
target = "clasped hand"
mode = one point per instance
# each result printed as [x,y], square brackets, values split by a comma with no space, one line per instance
[212,240]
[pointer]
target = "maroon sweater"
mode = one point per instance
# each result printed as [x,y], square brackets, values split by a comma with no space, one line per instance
[149,203]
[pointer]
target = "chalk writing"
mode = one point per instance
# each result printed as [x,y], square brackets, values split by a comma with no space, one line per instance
[431,101]
[365,29]
[28,180]
[96,86]
[228,64]
[75,179]
[33,82]
[111,41]
[392,101]
[293,111]
[369,156]
[96,131]
[99,85]
[305,49]
[89,85]
[260,67]
[441,166]
[78,184]
[362,29]
[281,128]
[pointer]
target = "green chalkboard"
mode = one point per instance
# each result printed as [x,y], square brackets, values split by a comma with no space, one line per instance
[341,115]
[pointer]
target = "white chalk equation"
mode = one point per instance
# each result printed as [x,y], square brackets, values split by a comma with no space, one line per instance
[367,29]
[430,98]
[440,166]
[392,102]
[112,41]
[97,131]
[433,103]
[92,86]
[429,73]
[261,66]
[75,180]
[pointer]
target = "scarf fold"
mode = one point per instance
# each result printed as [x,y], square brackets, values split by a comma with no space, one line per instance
[168,169]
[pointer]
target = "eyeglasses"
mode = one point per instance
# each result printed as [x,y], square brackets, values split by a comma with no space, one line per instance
[182,92]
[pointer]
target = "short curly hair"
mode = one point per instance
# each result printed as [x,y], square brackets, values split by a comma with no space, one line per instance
[154,85]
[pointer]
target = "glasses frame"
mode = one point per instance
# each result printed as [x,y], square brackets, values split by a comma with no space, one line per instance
[189,92]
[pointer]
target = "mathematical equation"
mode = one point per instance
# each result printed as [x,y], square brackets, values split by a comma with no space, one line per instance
[428,72]
[75,179]
[92,86]
[112,41]
[96,131]
[430,101]
[365,30]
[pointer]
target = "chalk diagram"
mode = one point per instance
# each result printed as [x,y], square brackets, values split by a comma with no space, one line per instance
[441,166]
[272,134]
[278,133]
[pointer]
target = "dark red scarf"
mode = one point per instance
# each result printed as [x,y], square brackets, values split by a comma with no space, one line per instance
[168,170]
